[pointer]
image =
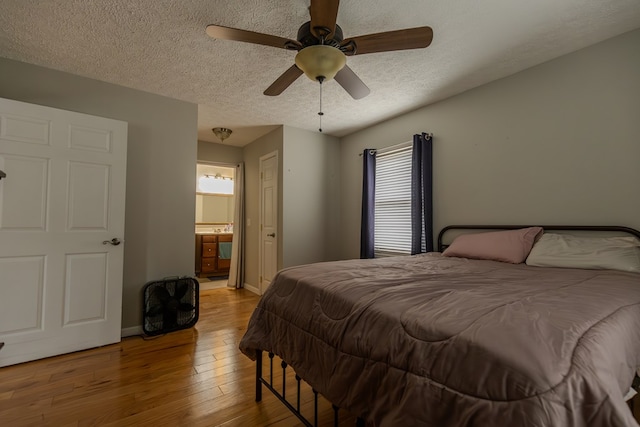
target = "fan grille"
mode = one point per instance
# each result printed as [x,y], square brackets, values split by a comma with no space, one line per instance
[170,305]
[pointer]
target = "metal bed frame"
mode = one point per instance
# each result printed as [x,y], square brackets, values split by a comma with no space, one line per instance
[295,409]
[260,381]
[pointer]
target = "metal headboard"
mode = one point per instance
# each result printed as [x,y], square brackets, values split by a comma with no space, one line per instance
[613,228]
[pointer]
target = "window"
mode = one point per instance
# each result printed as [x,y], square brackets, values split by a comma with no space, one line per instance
[393,203]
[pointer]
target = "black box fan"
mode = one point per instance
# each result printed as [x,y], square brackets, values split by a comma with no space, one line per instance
[170,304]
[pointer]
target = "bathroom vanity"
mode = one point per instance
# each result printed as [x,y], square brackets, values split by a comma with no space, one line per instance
[213,254]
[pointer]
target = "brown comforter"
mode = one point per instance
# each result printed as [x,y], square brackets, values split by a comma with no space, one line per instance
[428,340]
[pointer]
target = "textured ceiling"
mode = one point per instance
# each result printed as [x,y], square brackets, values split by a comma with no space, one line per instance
[160,46]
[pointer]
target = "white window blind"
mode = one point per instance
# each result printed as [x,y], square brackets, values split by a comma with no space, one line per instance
[392,230]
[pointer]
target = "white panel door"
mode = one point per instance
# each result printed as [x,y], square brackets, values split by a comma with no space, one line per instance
[62,197]
[268,219]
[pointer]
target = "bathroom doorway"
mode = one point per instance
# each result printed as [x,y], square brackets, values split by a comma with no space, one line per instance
[215,203]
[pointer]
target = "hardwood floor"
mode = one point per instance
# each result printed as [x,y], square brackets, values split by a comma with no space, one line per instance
[193,377]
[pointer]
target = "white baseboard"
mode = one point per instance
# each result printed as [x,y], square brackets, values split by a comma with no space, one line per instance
[251,288]
[132,331]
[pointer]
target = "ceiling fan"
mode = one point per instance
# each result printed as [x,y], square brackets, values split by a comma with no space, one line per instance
[322,49]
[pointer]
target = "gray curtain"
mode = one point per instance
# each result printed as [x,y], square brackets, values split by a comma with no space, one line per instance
[236,270]
[422,194]
[368,204]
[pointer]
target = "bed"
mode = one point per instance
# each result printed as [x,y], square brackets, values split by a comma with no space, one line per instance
[447,340]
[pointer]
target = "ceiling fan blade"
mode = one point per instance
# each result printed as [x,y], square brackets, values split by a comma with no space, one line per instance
[226,33]
[352,83]
[284,81]
[323,15]
[410,38]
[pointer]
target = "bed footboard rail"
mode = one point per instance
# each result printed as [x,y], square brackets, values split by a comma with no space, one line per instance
[268,383]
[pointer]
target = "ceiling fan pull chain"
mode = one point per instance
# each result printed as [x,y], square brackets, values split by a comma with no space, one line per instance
[320,113]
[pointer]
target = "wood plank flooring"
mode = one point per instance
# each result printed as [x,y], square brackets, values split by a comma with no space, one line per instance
[194,377]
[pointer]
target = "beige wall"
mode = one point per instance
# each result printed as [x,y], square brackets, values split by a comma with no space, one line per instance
[218,153]
[557,143]
[308,195]
[311,197]
[264,145]
[161,165]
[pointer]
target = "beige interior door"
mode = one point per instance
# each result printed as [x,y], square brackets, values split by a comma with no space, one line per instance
[268,219]
[62,197]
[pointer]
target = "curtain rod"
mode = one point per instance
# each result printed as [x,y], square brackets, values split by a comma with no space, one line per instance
[390,149]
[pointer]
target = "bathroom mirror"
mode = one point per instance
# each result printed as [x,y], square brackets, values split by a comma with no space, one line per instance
[214,208]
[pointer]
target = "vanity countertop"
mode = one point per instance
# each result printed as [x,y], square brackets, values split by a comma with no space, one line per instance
[213,232]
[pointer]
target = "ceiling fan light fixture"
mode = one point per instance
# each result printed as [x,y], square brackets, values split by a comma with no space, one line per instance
[222,133]
[320,62]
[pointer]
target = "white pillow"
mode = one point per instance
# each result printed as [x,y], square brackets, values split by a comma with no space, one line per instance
[563,250]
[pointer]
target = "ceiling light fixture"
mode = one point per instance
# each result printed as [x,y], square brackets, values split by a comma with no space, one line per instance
[320,63]
[222,133]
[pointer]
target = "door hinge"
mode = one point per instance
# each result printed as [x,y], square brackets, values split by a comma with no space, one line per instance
[260,279]
[260,227]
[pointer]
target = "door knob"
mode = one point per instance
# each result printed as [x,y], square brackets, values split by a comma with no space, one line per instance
[115,242]
[271,235]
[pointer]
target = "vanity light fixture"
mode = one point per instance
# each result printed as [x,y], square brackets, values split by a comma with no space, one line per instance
[215,184]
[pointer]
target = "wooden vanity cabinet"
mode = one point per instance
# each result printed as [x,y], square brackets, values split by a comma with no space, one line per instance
[209,253]
[208,261]
[224,263]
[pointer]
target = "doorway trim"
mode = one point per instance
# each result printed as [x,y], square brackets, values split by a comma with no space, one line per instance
[218,226]
[232,166]
[269,234]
